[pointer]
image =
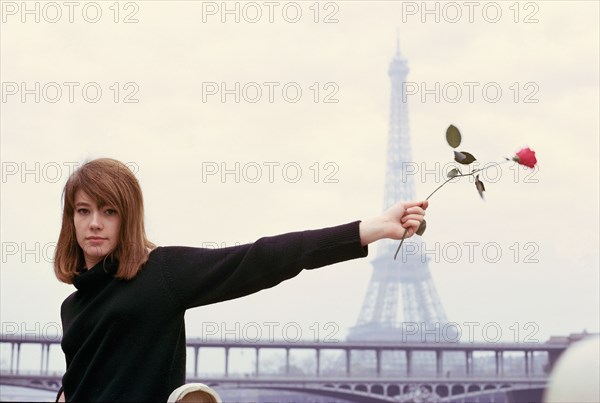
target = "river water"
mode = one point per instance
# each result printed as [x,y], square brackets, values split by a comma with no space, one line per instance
[18,394]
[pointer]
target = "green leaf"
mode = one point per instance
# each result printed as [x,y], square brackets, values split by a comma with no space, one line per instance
[421,228]
[454,172]
[479,186]
[463,157]
[453,136]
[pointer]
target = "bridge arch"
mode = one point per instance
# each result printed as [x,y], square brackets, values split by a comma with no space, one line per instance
[442,390]
[393,390]
[457,390]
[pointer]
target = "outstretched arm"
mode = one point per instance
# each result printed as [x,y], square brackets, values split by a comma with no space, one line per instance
[401,217]
[200,276]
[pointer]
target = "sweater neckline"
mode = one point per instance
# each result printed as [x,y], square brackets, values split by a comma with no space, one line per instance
[97,276]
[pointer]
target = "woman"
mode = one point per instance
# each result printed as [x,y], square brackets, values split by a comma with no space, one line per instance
[123,329]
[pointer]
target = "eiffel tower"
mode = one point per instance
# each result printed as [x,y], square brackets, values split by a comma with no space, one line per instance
[401,303]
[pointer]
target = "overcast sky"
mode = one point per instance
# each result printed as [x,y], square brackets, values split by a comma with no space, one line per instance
[172,58]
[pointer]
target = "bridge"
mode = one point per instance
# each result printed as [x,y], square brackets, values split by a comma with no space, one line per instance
[479,376]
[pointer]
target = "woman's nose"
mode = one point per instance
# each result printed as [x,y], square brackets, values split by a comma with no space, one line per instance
[96,222]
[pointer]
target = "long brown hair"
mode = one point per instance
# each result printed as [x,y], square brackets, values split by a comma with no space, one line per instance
[108,182]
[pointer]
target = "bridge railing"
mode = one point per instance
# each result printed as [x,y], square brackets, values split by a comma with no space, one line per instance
[445,359]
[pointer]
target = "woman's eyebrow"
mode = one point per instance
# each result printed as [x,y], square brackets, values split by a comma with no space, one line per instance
[82,204]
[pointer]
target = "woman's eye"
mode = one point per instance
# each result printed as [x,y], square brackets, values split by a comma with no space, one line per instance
[82,211]
[111,211]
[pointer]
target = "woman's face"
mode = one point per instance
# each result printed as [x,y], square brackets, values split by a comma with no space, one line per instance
[97,229]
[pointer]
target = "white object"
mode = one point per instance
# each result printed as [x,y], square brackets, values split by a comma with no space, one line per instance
[194,392]
[576,374]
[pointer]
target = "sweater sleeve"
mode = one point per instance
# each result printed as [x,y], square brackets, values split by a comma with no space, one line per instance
[200,276]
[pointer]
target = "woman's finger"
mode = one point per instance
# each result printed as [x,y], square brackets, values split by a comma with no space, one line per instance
[420,203]
[415,210]
[414,224]
[408,217]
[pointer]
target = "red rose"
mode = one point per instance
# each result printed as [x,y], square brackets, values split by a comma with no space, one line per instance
[526,157]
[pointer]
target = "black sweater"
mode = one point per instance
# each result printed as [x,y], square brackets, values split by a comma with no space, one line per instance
[124,340]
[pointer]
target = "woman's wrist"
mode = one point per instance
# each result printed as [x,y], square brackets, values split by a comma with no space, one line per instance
[371,230]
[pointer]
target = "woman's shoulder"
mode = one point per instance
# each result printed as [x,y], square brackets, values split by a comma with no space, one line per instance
[161,251]
[161,254]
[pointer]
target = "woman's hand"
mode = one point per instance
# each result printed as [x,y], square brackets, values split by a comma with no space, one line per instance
[394,222]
